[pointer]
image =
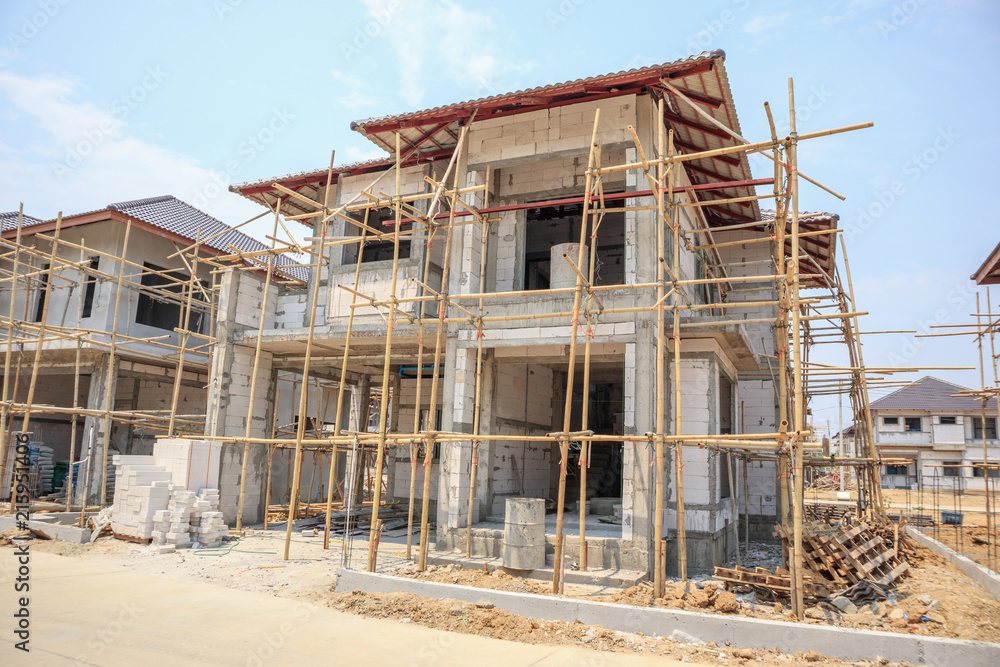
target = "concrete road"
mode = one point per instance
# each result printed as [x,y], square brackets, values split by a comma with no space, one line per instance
[87,614]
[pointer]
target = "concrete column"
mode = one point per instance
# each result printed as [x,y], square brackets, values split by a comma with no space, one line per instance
[453,479]
[638,480]
[93,428]
[229,395]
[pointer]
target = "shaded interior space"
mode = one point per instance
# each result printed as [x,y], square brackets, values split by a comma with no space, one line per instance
[606,416]
[549,226]
[384,220]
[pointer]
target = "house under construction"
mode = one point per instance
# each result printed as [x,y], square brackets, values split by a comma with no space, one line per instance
[522,282]
[569,293]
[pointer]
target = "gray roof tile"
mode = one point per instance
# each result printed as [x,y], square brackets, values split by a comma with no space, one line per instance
[173,215]
[932,395]
[8,220]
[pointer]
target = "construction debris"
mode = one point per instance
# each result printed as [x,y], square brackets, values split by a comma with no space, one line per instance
[844,556]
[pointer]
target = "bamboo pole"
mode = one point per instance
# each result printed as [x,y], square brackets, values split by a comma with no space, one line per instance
[186,322]
[303,404]
[270,455]
[442,300]
[732,505]
[254,373]
[557,583]
[797,508]
[474,459]
[76,391]
[376,528]
[661,353]
[340,394]
[45,296]
[678,420]
[111,378]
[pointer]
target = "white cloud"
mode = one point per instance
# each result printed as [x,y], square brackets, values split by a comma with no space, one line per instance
[355,154]
[73,156]
[760,25]
[851,10]
[356,99]
[347,79]
[468,46]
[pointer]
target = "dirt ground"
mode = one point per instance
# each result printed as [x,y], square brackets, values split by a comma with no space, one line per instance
[973,542]
[470,618]
[960,608]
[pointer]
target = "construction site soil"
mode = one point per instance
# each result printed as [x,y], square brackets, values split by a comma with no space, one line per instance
[973,542]
[938,599]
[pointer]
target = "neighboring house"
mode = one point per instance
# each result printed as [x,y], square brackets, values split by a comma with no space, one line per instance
[142,377]
[536,144]
[926,423]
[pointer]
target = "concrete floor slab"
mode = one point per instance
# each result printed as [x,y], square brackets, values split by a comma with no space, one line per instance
[88,614]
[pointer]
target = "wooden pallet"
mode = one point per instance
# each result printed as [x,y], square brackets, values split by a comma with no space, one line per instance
[842,557]
[133,538]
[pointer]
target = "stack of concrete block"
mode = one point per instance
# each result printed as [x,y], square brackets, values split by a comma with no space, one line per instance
[181,507]
[194,464]
[141,490]
[207,525]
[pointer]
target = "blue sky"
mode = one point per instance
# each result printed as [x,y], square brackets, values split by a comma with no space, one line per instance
[110,101]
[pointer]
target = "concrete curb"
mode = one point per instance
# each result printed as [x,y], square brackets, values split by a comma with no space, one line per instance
[846,644]
[52,530]
[975,571]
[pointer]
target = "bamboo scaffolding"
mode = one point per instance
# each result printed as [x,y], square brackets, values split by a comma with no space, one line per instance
[796,377]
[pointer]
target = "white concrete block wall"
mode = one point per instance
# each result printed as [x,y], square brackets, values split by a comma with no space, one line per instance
[757,403]
[375,281]
[154,395]
[290,309]
[250,301]
[566,128]
[506,278]
[631,228]
[564,173]
[407,402]
[463,408]
[522,406]
[411,182]
[239,393]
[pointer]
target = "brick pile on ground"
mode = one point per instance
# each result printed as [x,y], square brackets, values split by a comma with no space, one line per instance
[141,490]
[207,525]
